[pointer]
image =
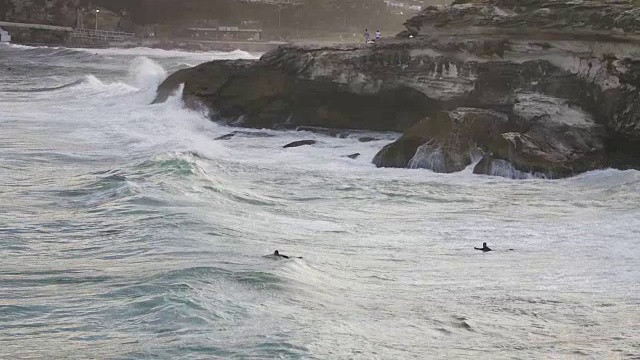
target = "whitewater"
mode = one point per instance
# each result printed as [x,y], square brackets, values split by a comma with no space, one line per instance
[127,232]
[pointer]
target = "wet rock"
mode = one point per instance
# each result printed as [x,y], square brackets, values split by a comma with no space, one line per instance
[226,137]
[544,136]
[249,134]
[555,138]
[365,139]
[201,82]
[352,156]
[489,165]
[400,152]
[447,143]
[300,143]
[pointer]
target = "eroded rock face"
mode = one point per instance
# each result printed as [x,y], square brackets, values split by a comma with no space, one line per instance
[556,138]
[449,142]
[556,102]
[481,16]
[543,136]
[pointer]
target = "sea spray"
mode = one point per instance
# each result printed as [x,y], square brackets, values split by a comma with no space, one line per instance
[146,73]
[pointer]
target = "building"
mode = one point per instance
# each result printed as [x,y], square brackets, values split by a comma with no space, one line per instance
[224,33]
[4,36]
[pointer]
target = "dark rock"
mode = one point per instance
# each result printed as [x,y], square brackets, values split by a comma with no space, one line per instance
[353,156]
[446,143]
[171,84]
[300,143]
[489,165]
[484,165]
[201,82]
[400,152]
[226,137]
[249,134]
[544,136]
[366,139]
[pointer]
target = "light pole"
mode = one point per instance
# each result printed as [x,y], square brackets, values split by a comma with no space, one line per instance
[97,12]
[279,16]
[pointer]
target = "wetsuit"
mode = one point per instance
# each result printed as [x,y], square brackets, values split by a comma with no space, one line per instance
[485,248]
[277,254]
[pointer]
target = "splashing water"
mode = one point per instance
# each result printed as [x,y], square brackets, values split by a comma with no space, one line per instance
[128,232]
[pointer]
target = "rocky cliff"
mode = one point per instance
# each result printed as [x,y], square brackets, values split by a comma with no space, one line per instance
[530,86]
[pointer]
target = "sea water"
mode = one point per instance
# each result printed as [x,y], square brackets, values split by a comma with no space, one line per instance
[127,231]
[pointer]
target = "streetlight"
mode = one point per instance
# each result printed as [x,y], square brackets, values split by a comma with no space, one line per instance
[279,16]
[97,12]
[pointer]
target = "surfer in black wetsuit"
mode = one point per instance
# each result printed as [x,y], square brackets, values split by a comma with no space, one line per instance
[484,247]
[277,254]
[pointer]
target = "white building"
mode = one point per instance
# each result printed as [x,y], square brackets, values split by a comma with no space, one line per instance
[4,36]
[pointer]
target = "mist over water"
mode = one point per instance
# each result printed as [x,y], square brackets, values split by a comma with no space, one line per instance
[126,231]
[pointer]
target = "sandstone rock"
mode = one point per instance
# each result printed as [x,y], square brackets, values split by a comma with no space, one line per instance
[555,101]
[557,139]
[520,17]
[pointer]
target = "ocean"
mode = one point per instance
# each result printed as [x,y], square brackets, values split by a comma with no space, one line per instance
[128,232]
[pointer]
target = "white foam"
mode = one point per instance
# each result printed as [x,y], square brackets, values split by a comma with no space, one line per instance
[92,83]
[147,74]
[160,53]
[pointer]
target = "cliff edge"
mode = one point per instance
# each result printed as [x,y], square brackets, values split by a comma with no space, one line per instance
[531,87]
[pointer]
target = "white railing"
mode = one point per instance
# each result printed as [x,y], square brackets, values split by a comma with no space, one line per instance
[274,2]
[101,34]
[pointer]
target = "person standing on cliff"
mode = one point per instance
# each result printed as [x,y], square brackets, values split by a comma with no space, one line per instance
[378,35]
[366,36]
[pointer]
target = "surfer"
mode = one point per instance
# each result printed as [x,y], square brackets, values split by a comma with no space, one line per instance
[276,254]
[484,247]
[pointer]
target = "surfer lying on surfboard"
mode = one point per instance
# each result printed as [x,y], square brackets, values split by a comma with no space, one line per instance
[277,254]
[484,247]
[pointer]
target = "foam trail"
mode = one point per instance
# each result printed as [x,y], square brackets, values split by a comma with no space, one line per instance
[47,89]
[160,53]
[92,83]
